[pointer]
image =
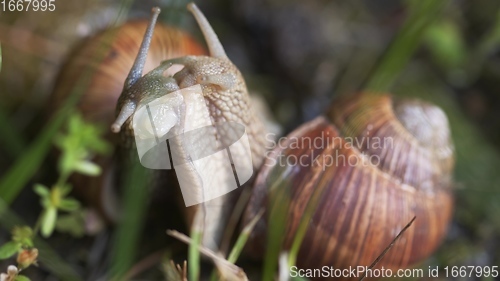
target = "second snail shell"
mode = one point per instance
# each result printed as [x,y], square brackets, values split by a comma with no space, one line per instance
[363,192]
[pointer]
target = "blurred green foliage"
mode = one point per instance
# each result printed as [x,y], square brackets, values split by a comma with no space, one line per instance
[78,145]
[22,237]
[445,41]
[422,13]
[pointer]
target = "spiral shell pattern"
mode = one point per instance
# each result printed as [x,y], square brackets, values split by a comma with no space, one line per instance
[367,168]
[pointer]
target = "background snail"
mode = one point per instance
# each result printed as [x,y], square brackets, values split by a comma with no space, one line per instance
[367,168]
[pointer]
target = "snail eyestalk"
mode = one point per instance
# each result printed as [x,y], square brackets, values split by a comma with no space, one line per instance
[214,45]
[136,71]
[127,110]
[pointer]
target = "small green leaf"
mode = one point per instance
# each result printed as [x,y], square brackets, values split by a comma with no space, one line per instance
[75,123]
[100,146]
[23,235]
[55,197]
[67,161]
[69,204]
[9,249]
[41,190]
[21,278]
[446,44]
[48,221]
[73,224]
[87,168]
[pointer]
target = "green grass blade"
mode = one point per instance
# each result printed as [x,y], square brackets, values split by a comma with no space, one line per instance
[127,235]
[12,141]
[486,47]
[242,239]
[305,220]
[422,13]
[194,247]
[489,43]
[279,199]
[240,242]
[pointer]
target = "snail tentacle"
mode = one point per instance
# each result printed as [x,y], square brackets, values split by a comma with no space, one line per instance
[214,45]
[126,111]
[136,71]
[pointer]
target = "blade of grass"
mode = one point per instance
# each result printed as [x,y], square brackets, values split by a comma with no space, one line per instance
[240,242]
[12,141]
[489,43]
[422,13]
[229,270]
[306,219]
[129,228]
[279,199]
[194,246]
[242,239]
[374,263]
[236,214]
[486,47]
[48,258]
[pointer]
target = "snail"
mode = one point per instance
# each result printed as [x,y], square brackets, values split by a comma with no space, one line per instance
[368,166]
[224,94]
[362,202]
[108,57]
[223,89]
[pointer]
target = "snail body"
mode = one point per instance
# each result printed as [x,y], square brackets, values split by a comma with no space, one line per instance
[222,90]
[161,54]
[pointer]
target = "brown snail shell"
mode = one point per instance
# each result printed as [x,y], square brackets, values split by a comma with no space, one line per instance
[366,200]
[119,47]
